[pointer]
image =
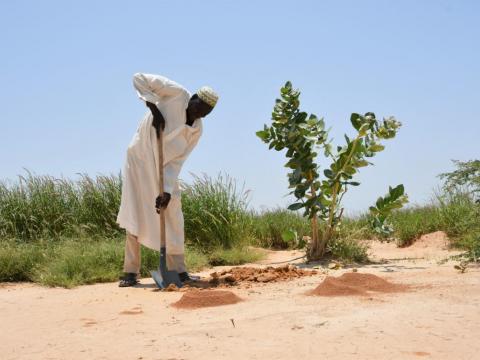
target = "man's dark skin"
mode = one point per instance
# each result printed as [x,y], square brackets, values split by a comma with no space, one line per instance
[196,109]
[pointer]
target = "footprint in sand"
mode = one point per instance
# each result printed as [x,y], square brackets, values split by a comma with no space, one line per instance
[88,322]
[134,311]
[421,353]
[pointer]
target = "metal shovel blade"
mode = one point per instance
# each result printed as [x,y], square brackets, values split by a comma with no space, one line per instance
[163,277]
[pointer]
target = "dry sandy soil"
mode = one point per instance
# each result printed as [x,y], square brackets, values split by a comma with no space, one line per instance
[438,318]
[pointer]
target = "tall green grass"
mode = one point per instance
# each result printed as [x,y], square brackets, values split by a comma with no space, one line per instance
[279,228]
[19,261]
[61,232]
[456,213]
[70,262]
[37,207]
[459,214]
[216,213]
[411,223]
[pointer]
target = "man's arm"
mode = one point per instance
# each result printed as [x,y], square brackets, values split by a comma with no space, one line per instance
[158,119]
[170,176]
[172,171]
[151,88]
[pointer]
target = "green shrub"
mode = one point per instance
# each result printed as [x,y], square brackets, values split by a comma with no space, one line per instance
[348,250]
[358,228]
[466,178]
[471,243]
[460,216]
[411,223]
[273,228]
[73,263]
[18,262]
[458,213]
[234,256]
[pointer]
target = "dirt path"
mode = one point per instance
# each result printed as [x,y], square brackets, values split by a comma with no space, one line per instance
[438,319]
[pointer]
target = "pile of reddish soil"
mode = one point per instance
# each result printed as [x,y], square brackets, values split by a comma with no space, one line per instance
[205,298]
[258,275]
[355,284]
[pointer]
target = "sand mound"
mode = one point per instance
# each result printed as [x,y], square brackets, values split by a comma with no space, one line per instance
[259,275]
[370,282]
[355,284]
[205,298]
[437,240]
[431,246]
[333,287]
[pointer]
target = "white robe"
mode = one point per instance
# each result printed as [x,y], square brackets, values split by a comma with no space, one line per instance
[140,175]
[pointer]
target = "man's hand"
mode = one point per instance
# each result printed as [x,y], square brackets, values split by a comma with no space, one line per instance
[162,201]
[158,119]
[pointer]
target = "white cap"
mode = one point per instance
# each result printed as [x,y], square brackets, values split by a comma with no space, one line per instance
[208,95]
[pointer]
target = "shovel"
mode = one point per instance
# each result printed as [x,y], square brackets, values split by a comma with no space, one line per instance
[163,277]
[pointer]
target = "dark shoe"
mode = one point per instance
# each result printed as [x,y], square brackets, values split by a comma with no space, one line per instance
[186,277]
[129,279]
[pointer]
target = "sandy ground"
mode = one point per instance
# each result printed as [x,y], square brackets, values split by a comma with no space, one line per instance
[438,319]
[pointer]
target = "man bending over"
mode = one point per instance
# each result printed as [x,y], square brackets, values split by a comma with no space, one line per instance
[179,114]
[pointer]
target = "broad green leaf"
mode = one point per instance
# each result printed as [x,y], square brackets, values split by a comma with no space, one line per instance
[300,117]
[289,235]
[376,148]
[350,170]
[398,191]
[295,206]
[324,201]
[328,173]
[353,183]
[321,124]
[379,203]
[356,121]
[263,134]
[361,163]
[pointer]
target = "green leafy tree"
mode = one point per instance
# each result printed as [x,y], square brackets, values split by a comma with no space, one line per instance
[467,174]
[302,136]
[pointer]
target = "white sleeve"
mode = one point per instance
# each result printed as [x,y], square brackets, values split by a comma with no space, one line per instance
[173,167]
[152,88]
[171,172]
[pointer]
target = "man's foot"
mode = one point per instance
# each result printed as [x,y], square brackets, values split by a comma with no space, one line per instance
[129,279]
[186,277]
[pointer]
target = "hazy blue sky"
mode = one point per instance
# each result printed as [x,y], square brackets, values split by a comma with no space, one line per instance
[68,106]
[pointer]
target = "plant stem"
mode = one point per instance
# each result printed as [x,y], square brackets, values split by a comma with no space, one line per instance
[314,250]
[330,231]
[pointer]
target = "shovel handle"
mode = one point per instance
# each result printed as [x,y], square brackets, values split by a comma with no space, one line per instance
[163,234]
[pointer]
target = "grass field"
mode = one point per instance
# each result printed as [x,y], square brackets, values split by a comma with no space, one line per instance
[60,232]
